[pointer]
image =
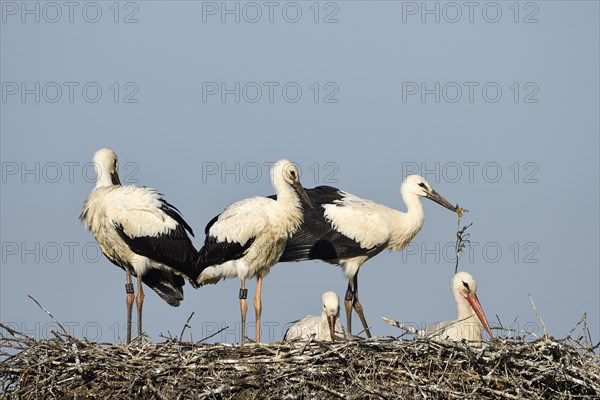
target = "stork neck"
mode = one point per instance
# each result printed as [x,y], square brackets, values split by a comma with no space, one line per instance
[467,320]
[414,216]
[406,224]
[285,193]
[103,177]
[414,207]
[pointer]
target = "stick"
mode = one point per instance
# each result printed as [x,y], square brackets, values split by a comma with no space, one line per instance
[363,331]
[499,322]
[214,334]
[186,326]
[12,331]
[156,393]
[586,329]
[400,325]
[462,240]
[539,317]
[51,316]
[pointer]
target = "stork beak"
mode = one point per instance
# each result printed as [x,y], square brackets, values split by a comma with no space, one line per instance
[474,302]
[331,321]
[114,177]
[435,196]
[302,193]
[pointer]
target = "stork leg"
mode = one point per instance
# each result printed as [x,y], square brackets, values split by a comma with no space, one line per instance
[129,301]
[139,303]
[258,307]
[348,305]
[243,308]
[359,309]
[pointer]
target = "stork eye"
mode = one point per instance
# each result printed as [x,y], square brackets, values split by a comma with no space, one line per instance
[293,174]
[466,285]
[422,185]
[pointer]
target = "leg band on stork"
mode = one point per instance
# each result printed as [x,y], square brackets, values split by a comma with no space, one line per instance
[349,295]
[129,288]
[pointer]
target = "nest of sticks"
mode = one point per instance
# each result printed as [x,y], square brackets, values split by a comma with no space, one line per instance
[508,367]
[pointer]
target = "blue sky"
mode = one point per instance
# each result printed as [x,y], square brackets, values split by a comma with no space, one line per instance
[496,104]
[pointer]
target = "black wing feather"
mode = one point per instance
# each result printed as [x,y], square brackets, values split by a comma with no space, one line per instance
[210,224]
[174,213]
[173,248]
[168,285]
[316,239]
[214,252]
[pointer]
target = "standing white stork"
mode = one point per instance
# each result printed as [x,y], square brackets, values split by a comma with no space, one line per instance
[247,239]
[466,326]
[326,327]
[346,230]
[140,232]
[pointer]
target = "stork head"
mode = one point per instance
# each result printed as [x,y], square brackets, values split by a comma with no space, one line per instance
[463,285]
[415,185]
[285,173]
[331,310]
[107,167]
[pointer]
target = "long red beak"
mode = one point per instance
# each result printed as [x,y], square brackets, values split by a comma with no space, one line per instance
[474,302]
[331,320]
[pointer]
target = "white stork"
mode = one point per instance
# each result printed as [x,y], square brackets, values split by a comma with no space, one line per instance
[467,326]
[326,327]
[346,230]
[140,232]
[247,239]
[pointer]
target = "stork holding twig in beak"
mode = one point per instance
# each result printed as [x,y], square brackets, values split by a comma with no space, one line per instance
[347,230]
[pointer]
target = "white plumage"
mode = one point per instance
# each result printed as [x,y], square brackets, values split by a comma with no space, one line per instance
[140,232]
[136,210]
[326,327]
[260,226]
[247,239]
[366,222]
[347,230]
[470,314]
